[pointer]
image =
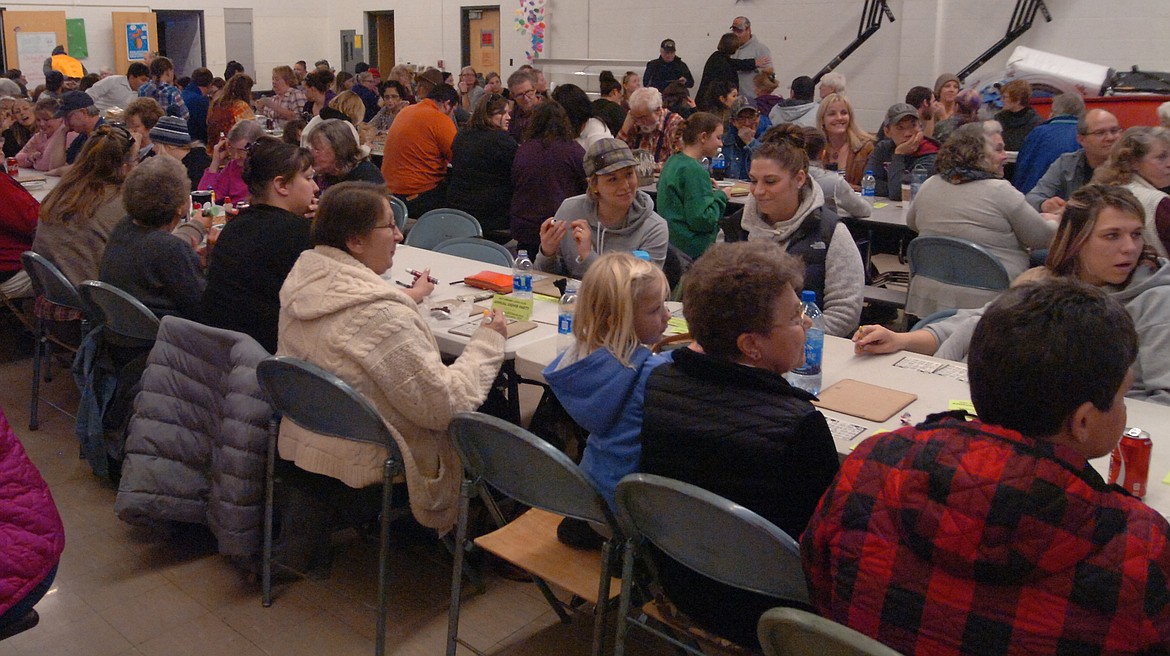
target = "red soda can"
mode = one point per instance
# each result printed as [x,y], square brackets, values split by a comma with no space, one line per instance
[13,168]
[1129,464]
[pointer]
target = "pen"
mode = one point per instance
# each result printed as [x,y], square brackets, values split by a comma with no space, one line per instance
[402,284]
[418,274]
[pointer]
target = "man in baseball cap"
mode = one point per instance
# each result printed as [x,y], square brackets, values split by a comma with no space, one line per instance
[82,117]
[667,68]
[739,142]
[905,149]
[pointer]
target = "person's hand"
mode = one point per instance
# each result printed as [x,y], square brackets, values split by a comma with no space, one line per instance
[872,340]
[552,233]
[582,237]
[202,219]
[422,283]
[726,191]
[217,154]
[497,322]
[628,126]
[6,121]
[937,111]
[312,213]
[746,133]
[1054,205]
[1052,216]
[910,146]
[763,62]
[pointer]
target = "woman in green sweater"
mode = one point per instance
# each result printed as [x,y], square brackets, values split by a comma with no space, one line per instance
[690,203]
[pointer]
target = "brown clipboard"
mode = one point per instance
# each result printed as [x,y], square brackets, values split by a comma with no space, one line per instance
[858,399]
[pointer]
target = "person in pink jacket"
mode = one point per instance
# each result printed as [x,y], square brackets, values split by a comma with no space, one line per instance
[31,534]
[45,151]
[225,174]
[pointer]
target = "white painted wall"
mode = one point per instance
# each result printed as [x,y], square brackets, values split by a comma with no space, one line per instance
[928,37]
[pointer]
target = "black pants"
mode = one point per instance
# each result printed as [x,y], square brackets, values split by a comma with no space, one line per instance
[427,200]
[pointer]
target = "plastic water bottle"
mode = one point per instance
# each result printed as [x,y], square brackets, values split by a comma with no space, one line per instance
[568,306]
[522,276]
[642,255]
[808,375]
[719,166]
[868,186]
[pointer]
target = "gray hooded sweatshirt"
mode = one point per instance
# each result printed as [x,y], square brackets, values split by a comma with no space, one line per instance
[642,230]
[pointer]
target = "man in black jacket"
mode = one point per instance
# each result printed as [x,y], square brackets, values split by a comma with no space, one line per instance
[666,69]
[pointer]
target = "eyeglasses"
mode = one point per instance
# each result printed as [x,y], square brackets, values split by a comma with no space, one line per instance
[531,93]
[737,30]
[1114,131]
[388,226]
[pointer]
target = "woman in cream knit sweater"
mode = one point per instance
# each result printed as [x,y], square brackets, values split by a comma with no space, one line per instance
[336,312]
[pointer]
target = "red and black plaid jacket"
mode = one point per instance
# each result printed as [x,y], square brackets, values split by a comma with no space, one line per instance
[966,538]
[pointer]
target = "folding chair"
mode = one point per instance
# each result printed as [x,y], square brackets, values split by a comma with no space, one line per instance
[794,632]
[711,535]
[437,226]
[401,214]
[524,467]
[319,401]
[475,248]
[48,282]
[947,272]
[119,312]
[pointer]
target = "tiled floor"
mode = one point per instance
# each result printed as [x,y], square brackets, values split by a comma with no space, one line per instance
[123,590]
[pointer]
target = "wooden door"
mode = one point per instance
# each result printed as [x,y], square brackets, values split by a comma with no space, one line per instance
[135,34]
[484,39]
[385,55]
[27,41]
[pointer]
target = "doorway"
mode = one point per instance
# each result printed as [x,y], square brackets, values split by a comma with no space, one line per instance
[481,38]
[180,38]
[380,34]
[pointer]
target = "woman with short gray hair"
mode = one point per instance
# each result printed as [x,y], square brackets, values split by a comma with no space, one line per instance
[339,156]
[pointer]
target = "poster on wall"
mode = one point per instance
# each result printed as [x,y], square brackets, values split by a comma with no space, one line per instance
[487,38]
[32,49]
[137,41]
[78,45]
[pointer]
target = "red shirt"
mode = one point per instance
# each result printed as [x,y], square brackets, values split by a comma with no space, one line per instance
[18,222]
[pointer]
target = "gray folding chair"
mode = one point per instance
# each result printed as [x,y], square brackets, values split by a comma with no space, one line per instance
[794,632]
[711,535]
[953,262]
[437,226]
[524,467]
[474,248]
[50,283]
[319,401]
[401,214]
[118,312]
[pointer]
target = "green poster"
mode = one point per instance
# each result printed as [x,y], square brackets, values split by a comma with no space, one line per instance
[75,34]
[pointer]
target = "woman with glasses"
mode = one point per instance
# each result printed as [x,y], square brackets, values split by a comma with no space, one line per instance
[723,417]
[224,175]
[393,101]
[337,312]
[1140,162]
[339,156]
[480,182]
[46,150]
[79,214]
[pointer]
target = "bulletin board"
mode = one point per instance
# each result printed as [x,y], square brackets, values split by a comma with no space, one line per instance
[142,23]
[78,46]
[16,22]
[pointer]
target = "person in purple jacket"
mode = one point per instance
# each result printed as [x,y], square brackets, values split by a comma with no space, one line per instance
[549,167]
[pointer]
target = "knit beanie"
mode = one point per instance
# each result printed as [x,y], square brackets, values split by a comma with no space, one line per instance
[170,130]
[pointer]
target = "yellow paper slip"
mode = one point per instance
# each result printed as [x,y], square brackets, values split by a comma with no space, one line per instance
[514,308]
[961,404]
[878,206]
[676,326]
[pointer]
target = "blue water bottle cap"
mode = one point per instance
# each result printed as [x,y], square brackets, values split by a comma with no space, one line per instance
[642,255]
[808,296]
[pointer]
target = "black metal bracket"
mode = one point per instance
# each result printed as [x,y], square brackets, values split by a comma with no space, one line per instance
[1022,18]
[871,20]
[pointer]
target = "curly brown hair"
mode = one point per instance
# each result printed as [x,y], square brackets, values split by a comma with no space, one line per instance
[1134,144]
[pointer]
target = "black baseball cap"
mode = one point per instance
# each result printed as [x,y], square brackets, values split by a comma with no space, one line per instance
[667,45]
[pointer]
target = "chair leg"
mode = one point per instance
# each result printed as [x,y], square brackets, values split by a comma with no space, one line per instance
[465,492]
[599,611]
[38,348]
[269,475]
[619,646]
[48,351]
[390,468]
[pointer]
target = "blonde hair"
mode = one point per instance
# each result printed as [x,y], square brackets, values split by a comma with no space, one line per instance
[607,304]
[350,104]
[857,136]
[1135,143]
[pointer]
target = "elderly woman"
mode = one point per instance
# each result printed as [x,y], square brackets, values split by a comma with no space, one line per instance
[1017,118]
[787,207]
[725,419]
[338,155]
[230,106]
[969,199]
[547,169]
[393,101]
[79,214]
[336,311]
[224,175]
[612,215]
[481,168]
[142,257]
[45,151]
[287,101]
[1140,161]
[256,249]
[141,115]
[20,132]
[847,146]
[318,92]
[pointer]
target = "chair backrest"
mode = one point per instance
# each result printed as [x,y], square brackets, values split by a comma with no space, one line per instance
[401,213]
[526,468]
[956,262]
[118,311]
[794,632]
[48,281]
[934,317]
[437,226]
[474,248]
[711,535]
[319,401]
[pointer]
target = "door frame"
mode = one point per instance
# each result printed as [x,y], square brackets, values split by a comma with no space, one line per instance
[465,32]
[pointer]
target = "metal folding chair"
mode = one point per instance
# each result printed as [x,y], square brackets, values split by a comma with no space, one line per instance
[524,467]
[319,401]
[437,226]
[118,312]
[401,214]
[475,248]
[956,263]
[711,535]
[794,632]
[50,283]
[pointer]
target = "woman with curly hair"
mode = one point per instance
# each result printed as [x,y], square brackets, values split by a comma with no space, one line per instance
[230,106]
[1140,162]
